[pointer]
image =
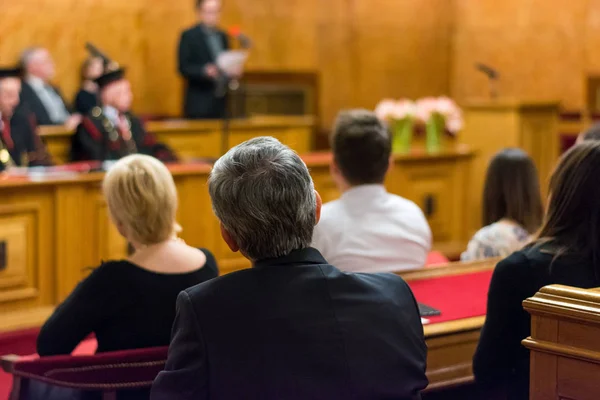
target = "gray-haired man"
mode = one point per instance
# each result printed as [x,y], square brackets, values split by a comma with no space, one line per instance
[293,326]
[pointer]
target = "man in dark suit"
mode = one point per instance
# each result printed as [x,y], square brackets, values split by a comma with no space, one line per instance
[292,327]
[112,131]
[199,48]
[39,95]
[20,144]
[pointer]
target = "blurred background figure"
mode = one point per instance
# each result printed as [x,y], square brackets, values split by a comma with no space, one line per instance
[112,131]
[20,143]
[87,97]
[512,206]
[199,48]
[39,95]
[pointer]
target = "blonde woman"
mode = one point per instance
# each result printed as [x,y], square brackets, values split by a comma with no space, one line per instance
[131,303]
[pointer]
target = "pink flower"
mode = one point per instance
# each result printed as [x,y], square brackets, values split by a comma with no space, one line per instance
[385,109]
[390,110]
[425,108]
[452,114]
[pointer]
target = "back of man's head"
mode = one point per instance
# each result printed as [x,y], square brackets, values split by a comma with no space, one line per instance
[361,147]
[264,196]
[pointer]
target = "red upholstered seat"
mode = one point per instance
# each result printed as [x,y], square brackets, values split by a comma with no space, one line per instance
[106,372]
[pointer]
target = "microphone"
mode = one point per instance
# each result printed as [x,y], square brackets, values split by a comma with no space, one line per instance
[490,72]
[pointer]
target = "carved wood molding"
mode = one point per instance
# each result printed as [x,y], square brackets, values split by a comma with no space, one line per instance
[568,302]
[543,346]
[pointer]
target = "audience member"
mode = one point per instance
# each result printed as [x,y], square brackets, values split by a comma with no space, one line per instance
[309,330]
[38,94]
[130,303]
[368,229]
[112,131]
[20,144]
[566,251]
[512,206]
[87,97]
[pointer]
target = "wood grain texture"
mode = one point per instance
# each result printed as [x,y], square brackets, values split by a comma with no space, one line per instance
[544,49]
[363,50]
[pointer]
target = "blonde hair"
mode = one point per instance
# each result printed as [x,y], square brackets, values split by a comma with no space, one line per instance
[142,198]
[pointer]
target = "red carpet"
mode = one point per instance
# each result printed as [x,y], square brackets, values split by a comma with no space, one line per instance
[457,296]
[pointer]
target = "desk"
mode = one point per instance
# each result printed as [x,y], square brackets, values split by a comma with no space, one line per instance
[452,337]
[203,139]
[52,229]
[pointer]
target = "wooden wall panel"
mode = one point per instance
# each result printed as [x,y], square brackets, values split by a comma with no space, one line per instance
[363,49]
[544,49]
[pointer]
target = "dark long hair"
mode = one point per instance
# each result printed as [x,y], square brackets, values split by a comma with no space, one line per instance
[572,222]
[512,190]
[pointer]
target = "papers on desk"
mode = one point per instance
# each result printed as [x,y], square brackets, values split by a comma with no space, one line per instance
[58,171]
[232,61]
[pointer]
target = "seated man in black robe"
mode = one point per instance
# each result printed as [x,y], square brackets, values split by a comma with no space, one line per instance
[20,144]
[111,131]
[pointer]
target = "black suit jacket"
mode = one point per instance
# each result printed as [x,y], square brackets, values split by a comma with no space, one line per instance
[26,147]
[295,328]
[30,101]
[194,54]
[95,139]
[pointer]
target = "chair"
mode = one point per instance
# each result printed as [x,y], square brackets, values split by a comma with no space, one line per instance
[104,372]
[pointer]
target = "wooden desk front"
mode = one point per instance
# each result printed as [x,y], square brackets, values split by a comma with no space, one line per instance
[203,139]
[51,230]
[451,344]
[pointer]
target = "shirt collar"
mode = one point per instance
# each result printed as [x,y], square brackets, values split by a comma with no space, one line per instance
[35,82]
[111,113]
[361,192]
[304,256]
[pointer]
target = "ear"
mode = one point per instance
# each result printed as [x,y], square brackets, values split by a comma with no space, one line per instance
[318,209]
[337,176]
[228,239]
[391,164]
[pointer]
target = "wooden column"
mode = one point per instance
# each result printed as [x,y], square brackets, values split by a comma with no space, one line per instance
[491,126]
[564,345]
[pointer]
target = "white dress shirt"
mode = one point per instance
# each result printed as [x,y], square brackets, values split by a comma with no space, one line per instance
[371,230]
[53,103]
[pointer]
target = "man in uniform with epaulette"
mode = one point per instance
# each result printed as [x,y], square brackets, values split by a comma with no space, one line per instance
[111,131]
[20,145]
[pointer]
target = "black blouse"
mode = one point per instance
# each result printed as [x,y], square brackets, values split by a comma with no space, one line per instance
[125,306]
[85,101]
[501,363]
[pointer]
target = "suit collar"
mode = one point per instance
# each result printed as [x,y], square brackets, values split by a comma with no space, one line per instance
[304,256]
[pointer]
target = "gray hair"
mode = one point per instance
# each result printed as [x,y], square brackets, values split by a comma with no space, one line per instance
[264,196]
[28,55]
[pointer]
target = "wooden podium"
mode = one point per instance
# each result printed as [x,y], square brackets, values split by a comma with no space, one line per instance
[492,125]
[564,345]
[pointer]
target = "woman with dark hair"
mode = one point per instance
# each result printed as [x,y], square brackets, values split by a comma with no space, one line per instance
[512,206]
[87,97]
[565,251]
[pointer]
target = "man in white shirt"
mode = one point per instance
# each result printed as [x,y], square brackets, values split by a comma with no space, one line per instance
[39,96]
[368,229]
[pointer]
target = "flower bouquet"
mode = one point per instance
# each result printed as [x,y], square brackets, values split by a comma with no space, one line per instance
[400,115]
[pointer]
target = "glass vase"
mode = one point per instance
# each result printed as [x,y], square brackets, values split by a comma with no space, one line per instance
[433,133]
[402,136]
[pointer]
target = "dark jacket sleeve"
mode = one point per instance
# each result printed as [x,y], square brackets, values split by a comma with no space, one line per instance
[87,143]
[186,372]
[190,69]
[147,144]
[497,354]
[38,152]
[83,310]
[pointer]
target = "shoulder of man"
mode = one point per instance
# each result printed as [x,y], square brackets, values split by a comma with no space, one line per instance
[94,122]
